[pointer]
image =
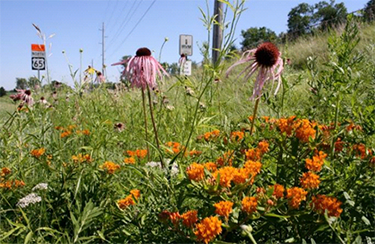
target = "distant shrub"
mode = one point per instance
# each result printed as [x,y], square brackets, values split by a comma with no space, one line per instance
[2,92]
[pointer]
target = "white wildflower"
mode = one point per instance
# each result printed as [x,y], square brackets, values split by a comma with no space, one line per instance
[40,186]
[29,199]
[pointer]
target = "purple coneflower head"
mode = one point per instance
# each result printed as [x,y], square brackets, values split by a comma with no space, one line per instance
[266,58]
[24,95]
[119,126]
[142,69]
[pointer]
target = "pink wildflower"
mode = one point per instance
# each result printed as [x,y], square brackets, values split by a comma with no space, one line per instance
[265,58]
[23,95]
[142,69]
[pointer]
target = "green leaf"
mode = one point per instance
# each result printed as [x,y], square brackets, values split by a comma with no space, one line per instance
[290,240]
[28,237]
[364,219]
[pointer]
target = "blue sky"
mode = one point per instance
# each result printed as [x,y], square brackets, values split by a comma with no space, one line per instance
[129,25]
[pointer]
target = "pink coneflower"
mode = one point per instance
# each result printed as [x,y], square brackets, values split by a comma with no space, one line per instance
[23,95]
[267,59]
[142,69]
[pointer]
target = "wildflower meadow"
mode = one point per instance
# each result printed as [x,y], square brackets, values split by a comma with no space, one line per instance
[247,150]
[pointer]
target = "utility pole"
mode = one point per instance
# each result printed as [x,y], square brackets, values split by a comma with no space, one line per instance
[103,65]
[217,37]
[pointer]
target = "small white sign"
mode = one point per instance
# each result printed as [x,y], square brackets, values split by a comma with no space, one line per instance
[186,45]
[186,69]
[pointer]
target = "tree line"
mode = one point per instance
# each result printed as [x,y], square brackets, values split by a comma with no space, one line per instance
[306,19]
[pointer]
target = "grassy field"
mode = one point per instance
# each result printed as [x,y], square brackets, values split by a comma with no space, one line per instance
[102,166]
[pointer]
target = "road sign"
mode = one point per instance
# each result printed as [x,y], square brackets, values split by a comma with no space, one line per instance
[38,57]
[186,45]
[186,69]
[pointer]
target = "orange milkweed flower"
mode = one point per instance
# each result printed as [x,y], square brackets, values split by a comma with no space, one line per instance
[189,218]
[226,159]
[249,204]
[254,154]
[195,172]
[37,153]
[253,167]
[65,133]
[129,160]
[210,166]
[240,175]
[278,191]
[263,146]
[5,171]
[237,136]
[360,150]
[305,130]
[174,217]
[223,208]
[193,153]
[127,201]
[226,175]
[296,195]
[135,193]
[286,125]
[316,163]
[321,203]
[110,167]
[208,229]
[310,180]
[9,184]
[80,158]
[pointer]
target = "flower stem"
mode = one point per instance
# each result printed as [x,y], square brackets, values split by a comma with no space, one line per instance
[144,113]
[154,125]
[254,114]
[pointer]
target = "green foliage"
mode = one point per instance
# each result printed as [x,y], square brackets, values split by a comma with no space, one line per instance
[3,92]
[252,37]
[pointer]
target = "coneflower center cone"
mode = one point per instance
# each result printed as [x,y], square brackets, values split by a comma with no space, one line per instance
[143,51]
[267,54]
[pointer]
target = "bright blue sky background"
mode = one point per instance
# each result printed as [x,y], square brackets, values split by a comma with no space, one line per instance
[76,25]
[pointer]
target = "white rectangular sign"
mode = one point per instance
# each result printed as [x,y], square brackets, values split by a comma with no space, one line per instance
[186,45]
[186,69]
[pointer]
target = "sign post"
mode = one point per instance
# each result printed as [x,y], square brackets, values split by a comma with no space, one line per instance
[186,49]
[38,58]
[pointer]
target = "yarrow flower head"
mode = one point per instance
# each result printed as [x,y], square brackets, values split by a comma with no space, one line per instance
[40,186]
[29,199]
[266,58]
[142,69]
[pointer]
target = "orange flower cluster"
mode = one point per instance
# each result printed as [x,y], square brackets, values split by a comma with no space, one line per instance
[278,191]
[208,136]
[310,180]
[129,160]
[296,195]
[37,153]
[303,128]
[194,153]
[256,154]
[83,132]
[139,153]
[227,158]
[129,200]
[210,166]
[316,163]
[321,203]
[339,145]
[9,184]
[237,136]
[226,175]
[249,204]
[110,167]
[195,171]
[352,126]
[189,218]
[80,158]
[208,229]
[5,171]
[360,150]
[223,208]
[65,131]
[175,147]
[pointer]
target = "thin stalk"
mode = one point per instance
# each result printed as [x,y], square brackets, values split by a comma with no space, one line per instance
[254,115]
[335,125]
[154,125]
[144,113]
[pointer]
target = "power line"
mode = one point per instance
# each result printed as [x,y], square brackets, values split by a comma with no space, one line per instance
[144,14]
[120,15]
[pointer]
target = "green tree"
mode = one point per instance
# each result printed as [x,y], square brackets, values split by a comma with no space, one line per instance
[299,20]
[21,83]
[253,36]
[329,15]
[2,92]
[369,11]
[33,81]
